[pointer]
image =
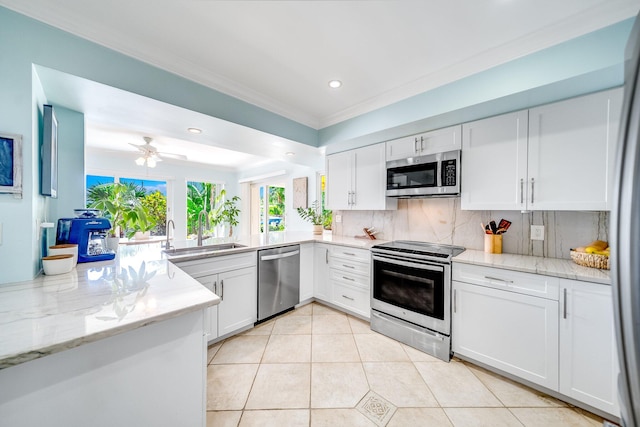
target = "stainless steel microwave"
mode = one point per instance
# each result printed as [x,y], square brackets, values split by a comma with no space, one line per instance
[433,175]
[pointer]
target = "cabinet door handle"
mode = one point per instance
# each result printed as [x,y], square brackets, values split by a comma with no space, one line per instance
[498,279]
[215,287]
[522,191]
[415,145]
[564,304]
[221,290]
[421,143]
[348,266]
[349,253]
[532,184]
[354,198]
[455,300]
[326,256]
[349,298]
[349,278]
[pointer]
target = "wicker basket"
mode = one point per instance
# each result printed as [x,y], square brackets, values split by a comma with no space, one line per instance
[590,260]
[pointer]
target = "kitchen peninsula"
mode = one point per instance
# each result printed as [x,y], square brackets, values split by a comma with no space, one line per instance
[111,343]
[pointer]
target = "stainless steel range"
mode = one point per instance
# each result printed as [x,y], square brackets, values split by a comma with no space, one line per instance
[411,294]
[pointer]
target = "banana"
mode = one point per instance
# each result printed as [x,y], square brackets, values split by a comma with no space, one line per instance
[598,245]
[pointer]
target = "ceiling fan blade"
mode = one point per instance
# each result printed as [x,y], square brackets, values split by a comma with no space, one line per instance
[139,147]
[173,156]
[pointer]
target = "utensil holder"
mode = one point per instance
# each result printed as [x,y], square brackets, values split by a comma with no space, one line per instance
[493,243]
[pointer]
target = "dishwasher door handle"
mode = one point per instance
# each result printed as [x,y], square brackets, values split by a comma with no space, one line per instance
[279,256]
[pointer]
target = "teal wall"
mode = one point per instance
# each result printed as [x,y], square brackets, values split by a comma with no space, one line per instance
[579,66]
[70,165]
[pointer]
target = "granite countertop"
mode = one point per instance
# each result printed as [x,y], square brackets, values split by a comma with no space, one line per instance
[95,300]
[531,264]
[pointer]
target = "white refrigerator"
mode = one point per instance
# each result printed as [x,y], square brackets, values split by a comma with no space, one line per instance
[625,237]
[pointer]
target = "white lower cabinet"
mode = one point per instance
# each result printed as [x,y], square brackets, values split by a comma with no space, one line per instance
[238,294]
[321,285]
[234,279]
[350,279]
[588,357]
[556,333]
[510,331]
[209,281]
[307,262]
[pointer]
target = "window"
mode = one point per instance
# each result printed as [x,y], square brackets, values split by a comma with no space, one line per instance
[151,194]
[208,197]
[267,207]
[276,208]
[322,191]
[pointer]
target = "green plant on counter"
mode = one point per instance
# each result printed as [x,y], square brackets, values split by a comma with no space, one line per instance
[315,215]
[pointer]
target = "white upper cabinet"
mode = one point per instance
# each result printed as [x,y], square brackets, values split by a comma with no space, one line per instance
[356,180]
[572,152]
[436,141]
[494,163]
[558,156]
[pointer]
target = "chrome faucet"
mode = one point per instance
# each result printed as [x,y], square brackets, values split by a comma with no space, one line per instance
[167,244]
[200,225]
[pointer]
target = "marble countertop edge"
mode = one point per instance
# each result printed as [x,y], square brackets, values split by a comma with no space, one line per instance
[9,360]
[554,267]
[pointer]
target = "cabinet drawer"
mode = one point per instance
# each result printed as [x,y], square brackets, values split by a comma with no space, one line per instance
[351,298]
[513,281]
[343,253]
[218,264]
[357,280]
[349,265]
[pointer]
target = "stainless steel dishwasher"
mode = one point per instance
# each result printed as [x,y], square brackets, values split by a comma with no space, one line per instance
[278,280]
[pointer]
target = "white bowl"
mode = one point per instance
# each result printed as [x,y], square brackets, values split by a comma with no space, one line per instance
[66,248]
[57,264]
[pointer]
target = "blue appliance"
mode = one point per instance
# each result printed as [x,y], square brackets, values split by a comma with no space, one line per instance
[90,236]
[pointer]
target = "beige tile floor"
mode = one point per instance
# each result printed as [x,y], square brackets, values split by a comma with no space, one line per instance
[316,366]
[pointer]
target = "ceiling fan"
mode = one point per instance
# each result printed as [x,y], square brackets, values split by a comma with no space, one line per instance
[150,154]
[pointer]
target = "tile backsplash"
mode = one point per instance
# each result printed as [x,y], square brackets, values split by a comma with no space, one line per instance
[441,220]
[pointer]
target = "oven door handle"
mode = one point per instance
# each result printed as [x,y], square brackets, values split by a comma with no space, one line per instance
[408,264]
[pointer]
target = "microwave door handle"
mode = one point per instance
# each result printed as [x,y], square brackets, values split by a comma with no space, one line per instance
[439,173]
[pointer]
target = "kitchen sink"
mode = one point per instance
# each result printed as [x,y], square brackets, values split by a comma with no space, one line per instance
[198,250]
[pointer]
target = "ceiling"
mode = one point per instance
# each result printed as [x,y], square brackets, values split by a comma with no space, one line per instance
[280,55]
[115,119]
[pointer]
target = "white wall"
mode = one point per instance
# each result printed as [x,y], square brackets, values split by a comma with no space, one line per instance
[175,173]
[292,219]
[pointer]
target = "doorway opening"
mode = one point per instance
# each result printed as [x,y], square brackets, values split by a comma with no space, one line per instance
[267,208]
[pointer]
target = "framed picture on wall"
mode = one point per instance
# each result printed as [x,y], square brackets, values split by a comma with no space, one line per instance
[11,164]
[300,192]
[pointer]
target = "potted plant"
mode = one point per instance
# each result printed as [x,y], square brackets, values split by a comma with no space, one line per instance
[121,205]
[227,213]
[315,216]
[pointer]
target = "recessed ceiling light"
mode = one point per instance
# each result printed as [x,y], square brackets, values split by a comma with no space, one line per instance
[335,84]
[290,153]
[194,130]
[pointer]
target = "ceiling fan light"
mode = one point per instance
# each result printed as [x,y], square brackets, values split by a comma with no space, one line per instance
[140,161]
[151,162]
